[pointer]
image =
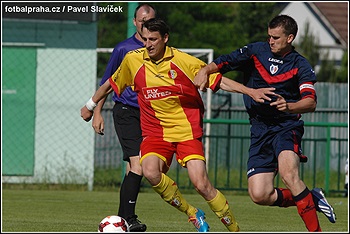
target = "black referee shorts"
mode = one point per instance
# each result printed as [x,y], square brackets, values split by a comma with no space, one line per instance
[128,129]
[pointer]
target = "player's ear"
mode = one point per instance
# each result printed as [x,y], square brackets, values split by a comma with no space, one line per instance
[290,38]
[166,38]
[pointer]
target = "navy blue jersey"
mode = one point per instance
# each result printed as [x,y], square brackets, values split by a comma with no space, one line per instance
[128,97]
[291,75]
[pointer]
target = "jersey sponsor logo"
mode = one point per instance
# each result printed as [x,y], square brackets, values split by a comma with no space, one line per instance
[273,69]
[155,93]
[275,60]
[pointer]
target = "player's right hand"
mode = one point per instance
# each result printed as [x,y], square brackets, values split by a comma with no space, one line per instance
[261,94]
[86,114]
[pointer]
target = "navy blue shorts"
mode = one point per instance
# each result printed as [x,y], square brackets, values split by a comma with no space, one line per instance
[128,128]
[269,140]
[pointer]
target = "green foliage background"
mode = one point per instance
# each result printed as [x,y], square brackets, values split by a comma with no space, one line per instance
[222,26]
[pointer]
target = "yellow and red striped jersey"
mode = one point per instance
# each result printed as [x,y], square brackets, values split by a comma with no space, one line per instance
[170,104]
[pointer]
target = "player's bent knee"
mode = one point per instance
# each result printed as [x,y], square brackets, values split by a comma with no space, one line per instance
[259,198]
[260,201]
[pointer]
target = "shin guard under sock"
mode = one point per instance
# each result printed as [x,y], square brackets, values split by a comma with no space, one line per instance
[122,199]
[130,191]
[220,207]
[307,210]
[169,192]
[284,198]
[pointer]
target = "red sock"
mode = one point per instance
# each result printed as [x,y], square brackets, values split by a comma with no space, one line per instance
[287,198]
[307,211]
[284,198]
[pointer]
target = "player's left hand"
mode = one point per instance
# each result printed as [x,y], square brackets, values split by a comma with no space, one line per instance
[201,81]
[86,114]
[281,103]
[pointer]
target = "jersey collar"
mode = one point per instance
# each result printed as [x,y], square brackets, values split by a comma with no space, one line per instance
[169,53]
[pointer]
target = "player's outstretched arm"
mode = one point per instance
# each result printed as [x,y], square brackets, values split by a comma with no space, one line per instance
[259,95]
[86,112]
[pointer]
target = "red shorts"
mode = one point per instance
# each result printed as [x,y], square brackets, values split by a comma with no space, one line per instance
[184,151]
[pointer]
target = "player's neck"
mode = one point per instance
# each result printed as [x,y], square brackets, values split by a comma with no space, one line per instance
[286,51]
[138,36]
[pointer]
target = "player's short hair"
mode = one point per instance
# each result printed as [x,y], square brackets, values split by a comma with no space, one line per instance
[289,25]
[147,7]
[156,25]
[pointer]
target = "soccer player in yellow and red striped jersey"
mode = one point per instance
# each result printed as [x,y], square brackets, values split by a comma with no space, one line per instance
[171,112]
[128,128]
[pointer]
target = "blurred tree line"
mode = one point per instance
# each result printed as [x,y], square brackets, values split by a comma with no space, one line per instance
[222,26]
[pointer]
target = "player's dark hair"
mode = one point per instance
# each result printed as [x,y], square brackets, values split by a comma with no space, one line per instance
[289,25]
[147,7]
[156,25]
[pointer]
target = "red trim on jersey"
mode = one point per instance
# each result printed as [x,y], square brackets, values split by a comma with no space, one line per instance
[147,114]
[215,87]
[193,109]
[114,86]
[273,79]
[220,65]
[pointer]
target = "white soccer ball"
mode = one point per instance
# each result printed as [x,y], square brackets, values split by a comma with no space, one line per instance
[113,223]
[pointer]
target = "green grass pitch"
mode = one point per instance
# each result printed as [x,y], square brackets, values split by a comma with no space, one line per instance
[81,211]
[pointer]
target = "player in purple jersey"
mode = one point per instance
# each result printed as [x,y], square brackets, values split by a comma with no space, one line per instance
[126,115]
[276,127]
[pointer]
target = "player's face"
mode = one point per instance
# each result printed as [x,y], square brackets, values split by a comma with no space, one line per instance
[280,43]
[141,17]
[154,43]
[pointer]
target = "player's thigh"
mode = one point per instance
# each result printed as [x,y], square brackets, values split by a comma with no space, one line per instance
[288,164]
[261,185]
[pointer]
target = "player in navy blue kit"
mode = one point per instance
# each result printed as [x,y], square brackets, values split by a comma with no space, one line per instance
[276,127]
[126,115]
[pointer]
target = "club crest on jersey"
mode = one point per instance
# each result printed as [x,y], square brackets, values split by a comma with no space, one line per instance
[273,69]
[172,74]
